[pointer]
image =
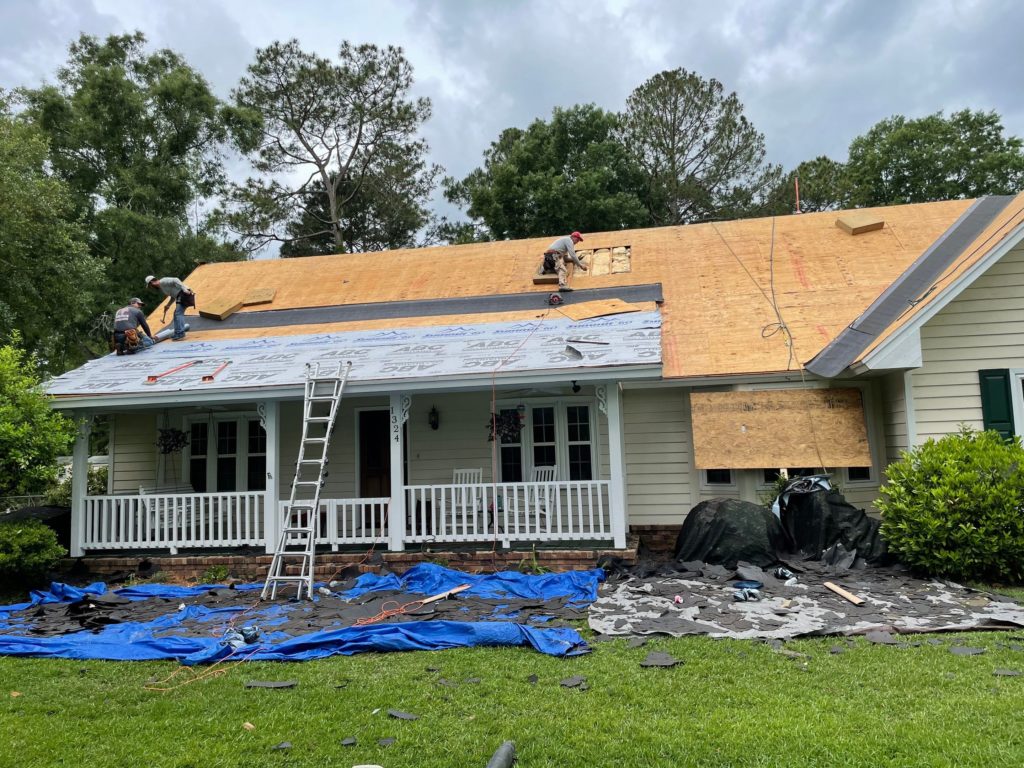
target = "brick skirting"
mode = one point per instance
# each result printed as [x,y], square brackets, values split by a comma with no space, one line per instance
[253,567]
[657,539]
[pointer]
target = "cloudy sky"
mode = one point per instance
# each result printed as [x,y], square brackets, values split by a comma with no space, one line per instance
[812,74]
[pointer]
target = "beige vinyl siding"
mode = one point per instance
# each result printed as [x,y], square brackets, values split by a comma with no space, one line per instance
[894,416]
[133,452]
[659,455]
[460,442]
[982,328]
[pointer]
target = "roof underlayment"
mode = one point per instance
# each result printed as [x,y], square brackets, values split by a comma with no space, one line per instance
[388,356]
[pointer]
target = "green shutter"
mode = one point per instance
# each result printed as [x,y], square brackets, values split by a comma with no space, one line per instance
[996,402]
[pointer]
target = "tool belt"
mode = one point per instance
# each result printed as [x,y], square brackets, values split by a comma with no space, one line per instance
[126,342]
[551,261]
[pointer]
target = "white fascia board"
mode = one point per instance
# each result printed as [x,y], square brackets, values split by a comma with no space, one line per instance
[731,380]
[425,386]
[904,352]
[872,361]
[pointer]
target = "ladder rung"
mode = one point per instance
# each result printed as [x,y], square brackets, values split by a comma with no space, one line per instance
[288,578]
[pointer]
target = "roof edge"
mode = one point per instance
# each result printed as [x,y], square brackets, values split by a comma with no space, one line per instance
[914,283]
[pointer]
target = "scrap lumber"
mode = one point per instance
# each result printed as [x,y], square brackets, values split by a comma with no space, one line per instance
[220,309]
[601,308]
[857,223]
[259,296]
[843,593]
[449,593]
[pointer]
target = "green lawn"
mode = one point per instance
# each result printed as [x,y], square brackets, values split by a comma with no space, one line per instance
[733,703]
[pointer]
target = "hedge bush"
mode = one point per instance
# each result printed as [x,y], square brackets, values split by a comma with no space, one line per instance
[954,507]
[28,550]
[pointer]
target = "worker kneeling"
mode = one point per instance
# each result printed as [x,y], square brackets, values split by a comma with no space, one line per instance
[559,254]
[127,339]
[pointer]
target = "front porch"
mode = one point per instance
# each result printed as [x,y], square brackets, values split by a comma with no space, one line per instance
[504,513]
[559,481]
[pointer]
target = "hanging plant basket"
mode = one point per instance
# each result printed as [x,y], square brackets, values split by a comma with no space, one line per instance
[506,426]
[171,440]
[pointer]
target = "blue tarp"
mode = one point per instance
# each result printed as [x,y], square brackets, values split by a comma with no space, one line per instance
[156,639]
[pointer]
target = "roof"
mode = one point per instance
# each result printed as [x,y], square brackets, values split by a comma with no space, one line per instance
[384,357]
[717,281]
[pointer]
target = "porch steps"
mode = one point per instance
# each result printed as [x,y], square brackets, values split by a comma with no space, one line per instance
[293,560]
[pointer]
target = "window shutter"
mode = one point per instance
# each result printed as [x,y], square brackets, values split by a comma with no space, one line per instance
[996,403]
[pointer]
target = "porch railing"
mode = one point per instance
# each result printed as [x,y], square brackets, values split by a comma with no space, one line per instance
[351,521]
[555,511]
[174,521]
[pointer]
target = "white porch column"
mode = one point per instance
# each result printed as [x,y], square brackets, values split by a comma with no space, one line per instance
[616,460]
[79,485]
[396,508]
[270,420]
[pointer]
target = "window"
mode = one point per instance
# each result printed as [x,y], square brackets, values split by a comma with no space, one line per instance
[226,454]
[554,434]
[718,476]
[858,474]
[769,476]
[197,455]
[511,451]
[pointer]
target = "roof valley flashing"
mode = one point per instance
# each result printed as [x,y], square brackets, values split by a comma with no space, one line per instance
[845,348]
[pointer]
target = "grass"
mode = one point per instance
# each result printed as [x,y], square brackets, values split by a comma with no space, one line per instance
[733,703]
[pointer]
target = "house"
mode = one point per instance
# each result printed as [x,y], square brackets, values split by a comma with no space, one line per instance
[689,362]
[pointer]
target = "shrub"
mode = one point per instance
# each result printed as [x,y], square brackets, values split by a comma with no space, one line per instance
[955,507]
[59,494]
[28,550]
[215,574]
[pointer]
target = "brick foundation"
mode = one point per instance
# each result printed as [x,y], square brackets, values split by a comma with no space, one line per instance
[658,539]
[253,567]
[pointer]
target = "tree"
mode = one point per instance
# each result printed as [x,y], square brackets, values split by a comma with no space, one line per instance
[934,158]
[701,157]
[49,278]
[553,177]
[348,129]
[32,435]
[824,186]
[138,138]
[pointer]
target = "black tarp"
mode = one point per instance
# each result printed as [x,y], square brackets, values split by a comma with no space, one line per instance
[821,519]
[726,531]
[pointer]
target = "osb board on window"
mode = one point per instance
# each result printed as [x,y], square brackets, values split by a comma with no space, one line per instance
[779,428]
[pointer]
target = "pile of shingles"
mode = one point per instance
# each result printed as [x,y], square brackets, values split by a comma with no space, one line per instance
[698,599]
[294,618]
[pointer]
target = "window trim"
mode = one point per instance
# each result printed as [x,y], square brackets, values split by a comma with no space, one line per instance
[734,485]
[560,404]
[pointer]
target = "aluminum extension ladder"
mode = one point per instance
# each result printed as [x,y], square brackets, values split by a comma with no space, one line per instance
[297,543]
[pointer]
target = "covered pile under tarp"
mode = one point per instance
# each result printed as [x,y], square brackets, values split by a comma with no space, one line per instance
[727,531]
[206,623]
[821,519]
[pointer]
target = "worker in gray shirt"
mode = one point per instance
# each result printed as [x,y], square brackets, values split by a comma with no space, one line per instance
[180,294]
[559,254]
[127,321]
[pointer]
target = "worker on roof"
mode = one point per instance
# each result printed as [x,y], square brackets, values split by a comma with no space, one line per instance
[127,339]
[559,254]
[180,294]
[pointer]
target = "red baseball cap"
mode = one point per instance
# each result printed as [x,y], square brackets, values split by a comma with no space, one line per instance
[577,235]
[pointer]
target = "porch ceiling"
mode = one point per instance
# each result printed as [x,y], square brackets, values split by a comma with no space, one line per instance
[389,356]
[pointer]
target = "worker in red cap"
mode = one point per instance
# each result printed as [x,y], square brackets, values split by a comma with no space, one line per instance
[559,254]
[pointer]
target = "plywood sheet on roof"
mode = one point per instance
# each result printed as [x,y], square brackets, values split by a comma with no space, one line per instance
[220,308]
[259,296]
[602,308]
[859,222]
[715,279]
[779,428]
